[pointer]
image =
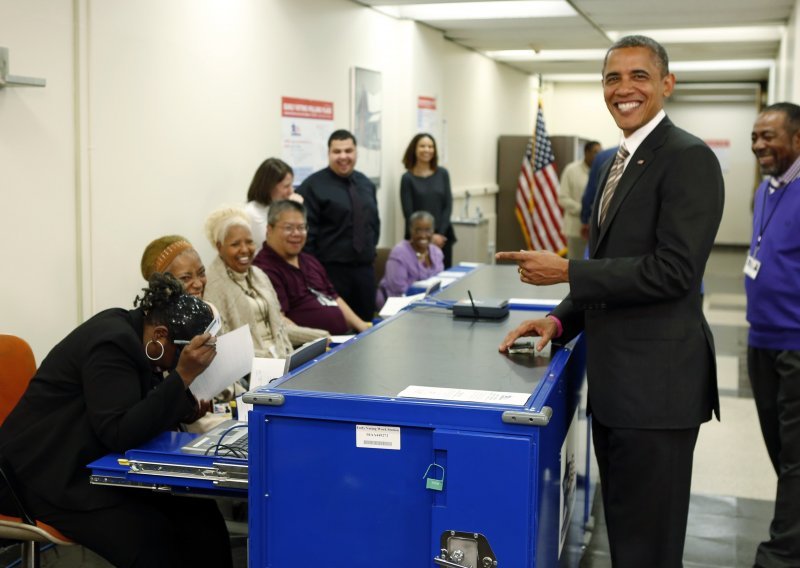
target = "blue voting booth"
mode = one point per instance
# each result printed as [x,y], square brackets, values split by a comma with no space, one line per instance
[345,471]
[415,444]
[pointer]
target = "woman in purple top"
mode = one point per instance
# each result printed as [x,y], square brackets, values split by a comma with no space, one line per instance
[415,259]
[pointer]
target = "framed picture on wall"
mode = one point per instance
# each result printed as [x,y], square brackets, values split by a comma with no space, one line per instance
[366,109]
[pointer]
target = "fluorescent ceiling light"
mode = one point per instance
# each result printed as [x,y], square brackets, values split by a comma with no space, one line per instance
[548,55]
[674,66]
[496,10]
[722,65]
[713,98]
[709,35]
[572,78]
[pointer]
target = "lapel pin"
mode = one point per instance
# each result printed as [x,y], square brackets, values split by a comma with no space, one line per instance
[640,162]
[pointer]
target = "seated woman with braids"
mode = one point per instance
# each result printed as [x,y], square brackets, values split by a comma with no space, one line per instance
[104,389]
[176,255]
[243,294]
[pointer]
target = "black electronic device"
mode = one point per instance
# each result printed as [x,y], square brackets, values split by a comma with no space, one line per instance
[486,308]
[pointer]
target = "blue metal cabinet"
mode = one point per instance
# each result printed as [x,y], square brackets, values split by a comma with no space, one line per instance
[319,499]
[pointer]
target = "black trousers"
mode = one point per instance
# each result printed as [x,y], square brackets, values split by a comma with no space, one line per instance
[646,478]
[146,530]
[775,378]
[355,283]
[447,251]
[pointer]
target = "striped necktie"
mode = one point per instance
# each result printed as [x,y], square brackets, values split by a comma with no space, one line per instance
[613,180]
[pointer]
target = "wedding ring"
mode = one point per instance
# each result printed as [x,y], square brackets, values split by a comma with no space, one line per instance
[519,269]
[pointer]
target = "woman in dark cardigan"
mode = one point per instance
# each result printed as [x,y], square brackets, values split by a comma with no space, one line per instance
[113,383]
[426,187]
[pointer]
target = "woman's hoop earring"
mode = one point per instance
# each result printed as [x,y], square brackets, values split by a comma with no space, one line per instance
[148,354]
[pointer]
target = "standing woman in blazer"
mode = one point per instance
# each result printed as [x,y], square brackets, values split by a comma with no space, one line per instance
[426,187]
[112,384]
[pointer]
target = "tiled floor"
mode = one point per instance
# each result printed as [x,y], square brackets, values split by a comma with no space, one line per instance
[733,483]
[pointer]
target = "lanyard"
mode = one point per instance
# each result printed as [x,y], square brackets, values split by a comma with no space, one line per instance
[763,224]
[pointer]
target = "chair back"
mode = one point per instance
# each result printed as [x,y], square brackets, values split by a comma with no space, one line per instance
[17,367]
[381,256]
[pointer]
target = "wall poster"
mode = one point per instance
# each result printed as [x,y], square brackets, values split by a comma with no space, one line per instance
[366,106]
[305,128]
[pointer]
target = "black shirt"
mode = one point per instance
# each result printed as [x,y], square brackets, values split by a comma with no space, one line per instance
[330,217]
[431,194]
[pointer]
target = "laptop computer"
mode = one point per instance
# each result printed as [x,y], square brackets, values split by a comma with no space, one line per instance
[305,353]
[226,439]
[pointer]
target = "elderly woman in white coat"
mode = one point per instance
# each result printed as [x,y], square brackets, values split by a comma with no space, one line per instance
[243,293]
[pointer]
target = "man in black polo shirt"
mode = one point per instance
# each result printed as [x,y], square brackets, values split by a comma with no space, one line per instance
[343,224]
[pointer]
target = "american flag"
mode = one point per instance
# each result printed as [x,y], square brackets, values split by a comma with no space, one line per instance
[537,207]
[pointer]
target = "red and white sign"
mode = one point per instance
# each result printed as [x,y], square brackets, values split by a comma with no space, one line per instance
[306,108]
[722,148]
[426,103]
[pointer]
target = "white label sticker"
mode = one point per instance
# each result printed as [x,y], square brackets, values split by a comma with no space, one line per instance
[377,437]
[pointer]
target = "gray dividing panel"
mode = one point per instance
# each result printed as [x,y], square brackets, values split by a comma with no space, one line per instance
[426,347]
[499,281]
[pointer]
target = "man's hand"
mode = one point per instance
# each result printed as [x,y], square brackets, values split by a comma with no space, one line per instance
[538,267]
[439,240]
[545,328]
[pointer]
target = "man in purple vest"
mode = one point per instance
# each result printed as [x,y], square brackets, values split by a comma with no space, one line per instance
[772,284]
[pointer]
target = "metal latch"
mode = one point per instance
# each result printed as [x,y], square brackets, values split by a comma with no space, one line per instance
[465,550]
[528,417]
[231,475]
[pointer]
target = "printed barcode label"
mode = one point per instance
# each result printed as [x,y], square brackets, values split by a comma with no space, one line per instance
[377,437]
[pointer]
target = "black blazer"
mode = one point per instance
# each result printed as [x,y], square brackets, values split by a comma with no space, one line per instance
[650,352]
[93,394]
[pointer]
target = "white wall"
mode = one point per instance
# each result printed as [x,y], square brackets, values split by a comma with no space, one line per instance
[732,122]
[156,112]
[791,78]
[37,175]
[578,109]
[482,101]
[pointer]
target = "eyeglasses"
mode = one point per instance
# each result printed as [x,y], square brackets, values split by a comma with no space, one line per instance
[289,229]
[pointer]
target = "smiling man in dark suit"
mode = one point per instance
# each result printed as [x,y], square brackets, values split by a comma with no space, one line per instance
[650,353]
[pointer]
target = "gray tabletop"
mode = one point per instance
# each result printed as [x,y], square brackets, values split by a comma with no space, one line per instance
[500,281]
[426,347]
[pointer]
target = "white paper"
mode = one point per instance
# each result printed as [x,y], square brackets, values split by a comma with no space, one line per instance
[396,303]
[233,361]
[451,274]
[339,339]
[265,369]
[243,409]
[465,395]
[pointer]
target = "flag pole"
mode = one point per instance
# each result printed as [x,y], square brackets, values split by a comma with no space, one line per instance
[538,106]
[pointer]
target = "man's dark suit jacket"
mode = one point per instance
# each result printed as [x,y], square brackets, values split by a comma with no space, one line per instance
[650,352]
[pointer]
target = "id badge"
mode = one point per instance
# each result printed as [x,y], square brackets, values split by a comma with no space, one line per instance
[751,267]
